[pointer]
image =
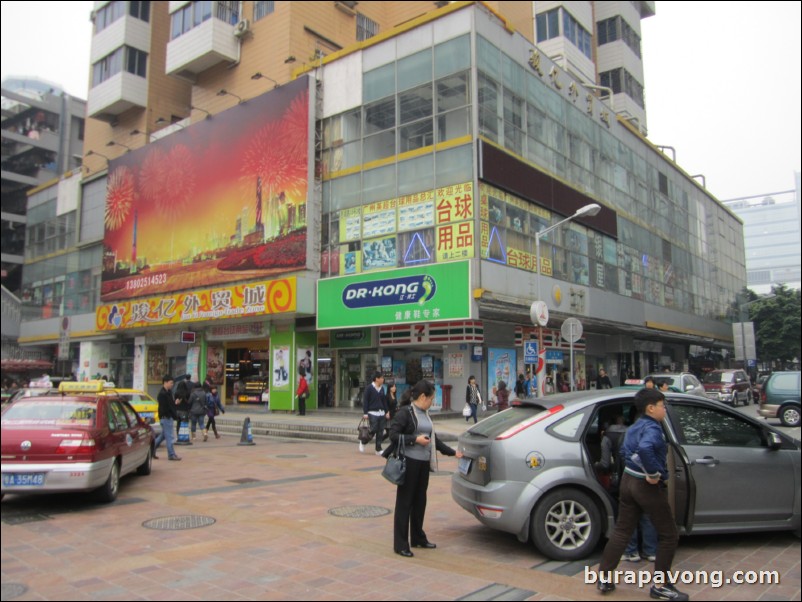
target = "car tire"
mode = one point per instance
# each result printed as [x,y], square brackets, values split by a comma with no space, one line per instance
[789,415]
[108,492]
[145,468]
[566,525]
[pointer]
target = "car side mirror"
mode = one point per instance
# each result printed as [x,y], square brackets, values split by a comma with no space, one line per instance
[775,441]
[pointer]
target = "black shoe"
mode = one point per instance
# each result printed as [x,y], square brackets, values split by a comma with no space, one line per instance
[604,587]
[667,592]
[404,553]
[174,458]
[426,544]
[155,457]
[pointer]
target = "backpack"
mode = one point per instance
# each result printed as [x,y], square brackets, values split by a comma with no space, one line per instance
[197,402]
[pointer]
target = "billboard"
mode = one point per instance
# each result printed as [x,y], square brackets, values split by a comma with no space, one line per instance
[428,293]
[223,200]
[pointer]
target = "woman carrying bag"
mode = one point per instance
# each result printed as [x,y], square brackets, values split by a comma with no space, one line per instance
[413,424]
[472,399]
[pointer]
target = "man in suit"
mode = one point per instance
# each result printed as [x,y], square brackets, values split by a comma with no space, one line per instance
[375,409]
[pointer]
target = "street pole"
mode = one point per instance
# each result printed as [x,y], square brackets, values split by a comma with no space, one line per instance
[589,210]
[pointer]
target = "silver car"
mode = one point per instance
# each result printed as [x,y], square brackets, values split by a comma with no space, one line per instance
[530,470]
[682,381]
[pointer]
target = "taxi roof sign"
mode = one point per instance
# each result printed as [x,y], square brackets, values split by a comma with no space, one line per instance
[90,386]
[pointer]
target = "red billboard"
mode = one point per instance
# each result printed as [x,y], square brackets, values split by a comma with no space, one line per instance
[223,200]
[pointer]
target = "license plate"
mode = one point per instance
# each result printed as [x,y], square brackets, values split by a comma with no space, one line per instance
[147,416]
[464,466]
[35,479]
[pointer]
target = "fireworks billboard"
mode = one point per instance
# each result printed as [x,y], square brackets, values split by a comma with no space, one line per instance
[223,200]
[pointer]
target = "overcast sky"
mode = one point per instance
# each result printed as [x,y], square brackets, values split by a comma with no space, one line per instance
[722,81]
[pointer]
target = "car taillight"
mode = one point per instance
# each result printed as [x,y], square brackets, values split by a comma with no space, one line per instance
[489,512]
[511,432]
[76,446]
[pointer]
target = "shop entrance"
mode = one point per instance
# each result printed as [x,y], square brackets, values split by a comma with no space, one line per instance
[247,371]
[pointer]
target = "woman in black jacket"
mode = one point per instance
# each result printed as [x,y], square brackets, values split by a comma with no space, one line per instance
[412,422]
[472,397]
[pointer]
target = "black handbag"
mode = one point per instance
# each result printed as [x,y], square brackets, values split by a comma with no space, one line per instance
[363,432]
[396,467]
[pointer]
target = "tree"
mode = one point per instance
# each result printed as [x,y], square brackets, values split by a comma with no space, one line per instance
[778,325]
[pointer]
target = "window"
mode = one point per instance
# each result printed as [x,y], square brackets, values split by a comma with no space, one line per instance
[140,10]
[713,427]
[108,15]
[623,82]
[198,12]
[617,28]
[548,25]
[365,28]
[262,9]
[135,61]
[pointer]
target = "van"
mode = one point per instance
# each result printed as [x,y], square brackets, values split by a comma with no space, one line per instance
[779,398]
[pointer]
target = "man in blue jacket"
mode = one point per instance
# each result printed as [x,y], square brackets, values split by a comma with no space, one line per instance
[375,409]
[643,491]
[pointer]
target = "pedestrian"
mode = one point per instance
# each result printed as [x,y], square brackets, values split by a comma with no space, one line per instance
[168,415]
[473,398]
[213,408]
[414,424]
[302,392]
[182,392]
[392,400]
[503,396]
[644,491]
[603,381]
[197,408]
[375,409]
[520,388]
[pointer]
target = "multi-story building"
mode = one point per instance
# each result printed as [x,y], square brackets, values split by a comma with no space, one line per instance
[353,186]
[42,132]
[772,237]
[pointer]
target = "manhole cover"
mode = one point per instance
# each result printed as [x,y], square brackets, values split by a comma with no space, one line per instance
[12,590]
[179,523]
[291,456]
[359,511]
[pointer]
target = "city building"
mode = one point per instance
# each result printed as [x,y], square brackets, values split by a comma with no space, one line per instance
[359,186]
[772,238]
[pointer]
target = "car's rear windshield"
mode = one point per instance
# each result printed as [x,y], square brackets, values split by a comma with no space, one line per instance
[58,412]
[496,424]
[719,377]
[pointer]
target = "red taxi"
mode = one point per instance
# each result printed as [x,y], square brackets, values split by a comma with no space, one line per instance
[79,439]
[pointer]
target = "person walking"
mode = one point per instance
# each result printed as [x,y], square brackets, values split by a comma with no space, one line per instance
[414,425]
[213,408]
[197,408]
[643,490]
[603,381]
[473,398]
[168,416]
[302,392]
[374,408]
[503,396]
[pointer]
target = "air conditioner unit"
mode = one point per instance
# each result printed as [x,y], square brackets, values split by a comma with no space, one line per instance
[241,28]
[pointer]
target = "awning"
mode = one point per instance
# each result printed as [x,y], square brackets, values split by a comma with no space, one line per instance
[12,365]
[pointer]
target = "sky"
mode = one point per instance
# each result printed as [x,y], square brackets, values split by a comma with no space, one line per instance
[722,81]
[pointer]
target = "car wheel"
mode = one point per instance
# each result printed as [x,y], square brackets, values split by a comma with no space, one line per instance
[146,466]
[108,492]
[789,415]
[566,525]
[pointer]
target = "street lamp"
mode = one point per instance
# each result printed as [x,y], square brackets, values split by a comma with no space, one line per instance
[542,306]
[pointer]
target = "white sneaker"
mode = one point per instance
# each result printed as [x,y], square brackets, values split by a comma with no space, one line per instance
[651,558]
[632,557]
[379,453]
[361,448]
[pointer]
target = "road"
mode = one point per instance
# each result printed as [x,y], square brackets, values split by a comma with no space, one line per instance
[308,520]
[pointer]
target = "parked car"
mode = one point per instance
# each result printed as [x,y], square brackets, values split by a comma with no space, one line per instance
[728,386]
[530,470]
[682,381]
[780,398]
[79,439]
[144,404]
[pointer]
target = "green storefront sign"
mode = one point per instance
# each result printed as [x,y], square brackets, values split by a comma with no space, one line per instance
[429,293]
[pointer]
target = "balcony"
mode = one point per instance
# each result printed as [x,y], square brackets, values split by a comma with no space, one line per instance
[117,94]
[201,48]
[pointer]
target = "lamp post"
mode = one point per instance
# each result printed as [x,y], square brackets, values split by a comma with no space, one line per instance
[542,307]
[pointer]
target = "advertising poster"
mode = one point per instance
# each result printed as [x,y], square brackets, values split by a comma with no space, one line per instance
[500,366]
[378,219]
[427,366]
[350,260]
[379,253]
[140,374]
[456,365]
[157,364]
[220,201]
[306,360]
[400,371]
[416,211]
[387,366]
[351,224]
[281,374]
[193,362]
[215,364]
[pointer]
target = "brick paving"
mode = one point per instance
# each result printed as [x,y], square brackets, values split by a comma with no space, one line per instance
[273,538]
